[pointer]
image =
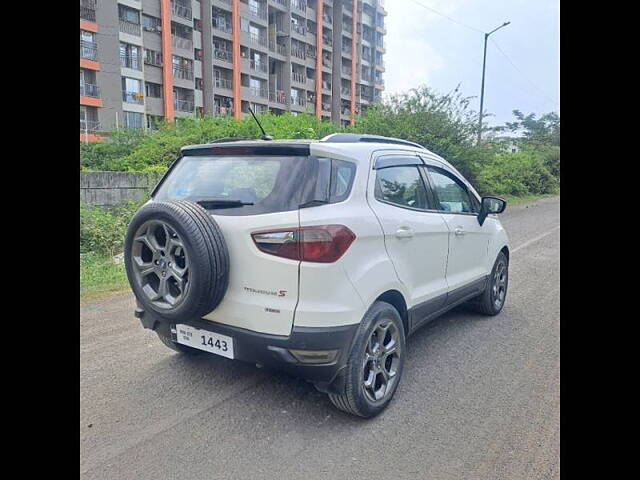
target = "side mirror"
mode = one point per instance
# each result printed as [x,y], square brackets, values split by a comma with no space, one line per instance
[491,205]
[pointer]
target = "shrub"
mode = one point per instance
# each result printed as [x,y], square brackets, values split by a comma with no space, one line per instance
[102,230]
[522,173]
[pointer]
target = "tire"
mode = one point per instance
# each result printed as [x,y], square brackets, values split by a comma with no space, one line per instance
[356,397]
[488,303]
[176,260]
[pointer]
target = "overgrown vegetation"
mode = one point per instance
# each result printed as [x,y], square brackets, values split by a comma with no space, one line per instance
[445,124]
[102,234]
[102,230]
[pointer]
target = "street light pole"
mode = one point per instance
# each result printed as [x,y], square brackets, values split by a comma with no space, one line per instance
[484,64]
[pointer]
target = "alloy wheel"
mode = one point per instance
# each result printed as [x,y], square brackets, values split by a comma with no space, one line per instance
[381,360]
[161,264]
[499,285]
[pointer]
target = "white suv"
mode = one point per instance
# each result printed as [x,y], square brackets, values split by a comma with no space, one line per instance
[319,257]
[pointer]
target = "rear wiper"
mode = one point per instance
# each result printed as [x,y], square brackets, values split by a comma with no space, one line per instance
[211,203]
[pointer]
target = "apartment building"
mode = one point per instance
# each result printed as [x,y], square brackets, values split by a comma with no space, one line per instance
[145,60]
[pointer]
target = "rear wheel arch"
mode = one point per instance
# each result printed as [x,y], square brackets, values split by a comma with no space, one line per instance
[396,299]
[505,250]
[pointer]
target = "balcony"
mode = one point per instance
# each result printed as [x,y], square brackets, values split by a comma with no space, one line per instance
[223,110]
[182,72]
[299,4]
[258,39]
[346,71]
[222,23]
[89,125]
[298,101]
[223,55]
[345,91]
[299,29]
[181,11]
[278,97]
[89,90]
[326,85]
[326,107]
[88,10]
[88,50]
[130,61]
[298,53]
[133,97]
[130,28]
[181,42]
[327,19]
[258,11]
[223,83]
[259,92]
[183,105]
[298,77]
[259,66]
[276,47]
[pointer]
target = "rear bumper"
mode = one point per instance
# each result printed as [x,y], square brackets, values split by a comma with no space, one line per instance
[273,350]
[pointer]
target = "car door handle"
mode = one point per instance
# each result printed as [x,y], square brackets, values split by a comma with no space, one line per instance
[458,231]
[404,232]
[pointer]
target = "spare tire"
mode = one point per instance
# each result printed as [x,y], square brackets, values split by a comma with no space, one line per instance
[176,259]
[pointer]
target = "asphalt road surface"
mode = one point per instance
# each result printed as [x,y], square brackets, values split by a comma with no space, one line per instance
[479,399]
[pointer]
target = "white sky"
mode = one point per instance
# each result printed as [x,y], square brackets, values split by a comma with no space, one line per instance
[425,48]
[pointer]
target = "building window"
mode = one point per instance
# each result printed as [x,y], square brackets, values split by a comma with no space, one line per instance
[182,68]
[153,90]
[132,90]
[133,119]
[88,46]
[128,14]
[152,57]
[151,24]
[198,84]
[130,56]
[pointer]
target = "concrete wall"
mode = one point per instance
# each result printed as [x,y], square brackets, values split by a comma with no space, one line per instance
[107,189]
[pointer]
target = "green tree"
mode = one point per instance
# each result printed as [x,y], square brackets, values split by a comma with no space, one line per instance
[538,131]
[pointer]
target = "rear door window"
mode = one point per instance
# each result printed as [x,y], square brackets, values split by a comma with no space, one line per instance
[401,186]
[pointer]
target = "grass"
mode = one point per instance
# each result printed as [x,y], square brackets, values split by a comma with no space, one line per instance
[100,276]
[513,201]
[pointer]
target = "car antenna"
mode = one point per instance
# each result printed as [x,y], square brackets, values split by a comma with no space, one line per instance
[264,134]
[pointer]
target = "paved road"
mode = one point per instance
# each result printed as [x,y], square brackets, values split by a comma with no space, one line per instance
[479,399]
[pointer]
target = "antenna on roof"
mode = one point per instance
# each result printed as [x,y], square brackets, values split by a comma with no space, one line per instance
[264,134]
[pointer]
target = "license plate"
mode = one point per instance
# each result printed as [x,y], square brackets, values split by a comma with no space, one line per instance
[204,340]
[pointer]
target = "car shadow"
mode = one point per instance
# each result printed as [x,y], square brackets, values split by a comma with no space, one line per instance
[267,393]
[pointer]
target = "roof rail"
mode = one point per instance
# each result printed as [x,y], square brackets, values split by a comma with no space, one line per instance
[356,137]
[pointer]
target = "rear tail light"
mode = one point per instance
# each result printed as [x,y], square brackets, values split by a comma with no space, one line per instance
[324,244]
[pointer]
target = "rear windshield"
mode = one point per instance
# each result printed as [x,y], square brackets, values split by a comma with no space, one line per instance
[264,184]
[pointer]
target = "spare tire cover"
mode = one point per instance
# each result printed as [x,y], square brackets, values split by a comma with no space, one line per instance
[176,259]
